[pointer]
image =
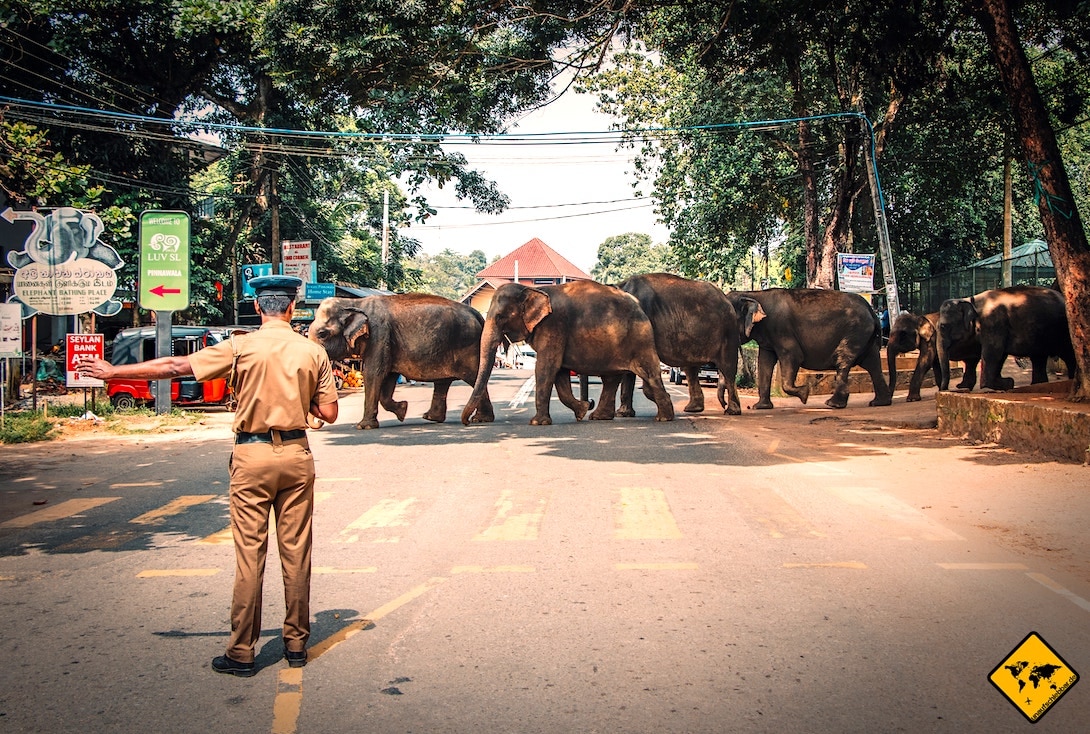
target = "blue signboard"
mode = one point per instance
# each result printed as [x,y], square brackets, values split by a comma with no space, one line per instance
[318,291]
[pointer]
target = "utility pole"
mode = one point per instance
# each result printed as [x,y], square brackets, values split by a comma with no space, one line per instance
[1008,224]
[274,211]
[893,300]
[385,236]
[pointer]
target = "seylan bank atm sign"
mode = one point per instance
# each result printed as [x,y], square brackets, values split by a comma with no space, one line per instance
[164,261]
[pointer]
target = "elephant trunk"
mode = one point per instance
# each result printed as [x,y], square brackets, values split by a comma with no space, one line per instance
[892,352]
[490,341]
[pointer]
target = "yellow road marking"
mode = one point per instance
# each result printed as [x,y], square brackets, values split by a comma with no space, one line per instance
[123,485]
[388,513]
[175,507]
[226,537]
[288,702]
[655,566]
[833,564]
[642,513]
[161,573]
[332,570]
[982,566]
[518,517]
[775,515]
[901,513]
[57,512]
[494,569]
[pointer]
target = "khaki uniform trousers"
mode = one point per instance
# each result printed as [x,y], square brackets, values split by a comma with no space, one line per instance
[266,477]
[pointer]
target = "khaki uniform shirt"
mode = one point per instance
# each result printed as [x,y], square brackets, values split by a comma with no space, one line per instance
[279,374]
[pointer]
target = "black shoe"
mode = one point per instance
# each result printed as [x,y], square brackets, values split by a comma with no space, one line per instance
[230,666]
[296,659]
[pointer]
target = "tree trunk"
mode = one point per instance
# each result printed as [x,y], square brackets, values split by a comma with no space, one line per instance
[804,158]
[1059,215]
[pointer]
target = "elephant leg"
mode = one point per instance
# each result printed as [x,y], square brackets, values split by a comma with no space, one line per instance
[567,397]
[628,390]
[839,397]
[386,397]
[437,412]
[372,386]
[605,410]
[545,376]
[766,363]
[728,375]
[789,370]
[968,378]
[696,392]
[872,363]
[915,383]
[991,373]
[649,372]
[1040,368]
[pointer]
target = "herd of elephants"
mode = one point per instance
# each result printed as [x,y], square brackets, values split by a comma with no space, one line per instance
[631,329]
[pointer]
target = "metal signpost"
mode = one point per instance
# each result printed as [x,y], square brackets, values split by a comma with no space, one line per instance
[164,281]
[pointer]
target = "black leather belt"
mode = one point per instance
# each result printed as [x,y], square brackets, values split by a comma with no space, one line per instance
[266,437]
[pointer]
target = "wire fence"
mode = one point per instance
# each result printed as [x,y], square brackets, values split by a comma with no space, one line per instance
[925,296]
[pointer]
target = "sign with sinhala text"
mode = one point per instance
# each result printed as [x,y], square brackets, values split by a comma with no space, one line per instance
[855,273]
[164,261]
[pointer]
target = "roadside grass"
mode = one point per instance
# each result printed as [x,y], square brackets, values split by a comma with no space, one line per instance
[52,421]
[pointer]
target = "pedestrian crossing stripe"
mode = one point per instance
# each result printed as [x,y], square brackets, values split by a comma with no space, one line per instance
[382,517]
[643,513]
[518,517]
[156,573]
[175,507]
[59,511]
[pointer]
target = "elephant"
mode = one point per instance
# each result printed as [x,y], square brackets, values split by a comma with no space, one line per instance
[420,336]
[694,323]
[815,329]
[955,343]
[1023,321]
[581,325]
[911,332]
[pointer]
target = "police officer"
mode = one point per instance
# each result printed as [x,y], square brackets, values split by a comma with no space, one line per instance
[283,384]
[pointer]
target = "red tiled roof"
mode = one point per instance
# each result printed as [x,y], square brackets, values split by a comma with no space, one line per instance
[535,260]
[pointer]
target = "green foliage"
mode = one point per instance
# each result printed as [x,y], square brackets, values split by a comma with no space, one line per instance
[622,256]
[26,427]
[449,274]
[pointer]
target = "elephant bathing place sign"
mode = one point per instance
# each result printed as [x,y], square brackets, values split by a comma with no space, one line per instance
[63,269]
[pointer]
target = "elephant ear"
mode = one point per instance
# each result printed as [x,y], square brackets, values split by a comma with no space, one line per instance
[925,332]
[357,330]
[750,312]
[968,315]
[92,226]
[535,307]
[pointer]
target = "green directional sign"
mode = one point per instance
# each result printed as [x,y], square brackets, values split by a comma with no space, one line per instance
[164,261]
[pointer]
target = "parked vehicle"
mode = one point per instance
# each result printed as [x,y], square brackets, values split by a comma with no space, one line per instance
[138,345]
[707,373]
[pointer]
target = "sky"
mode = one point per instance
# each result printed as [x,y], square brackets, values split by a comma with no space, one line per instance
[572,197]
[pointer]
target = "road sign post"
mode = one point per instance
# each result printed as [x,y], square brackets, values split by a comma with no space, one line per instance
[164,280]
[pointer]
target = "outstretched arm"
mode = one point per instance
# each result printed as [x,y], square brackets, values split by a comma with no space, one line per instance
[155,369]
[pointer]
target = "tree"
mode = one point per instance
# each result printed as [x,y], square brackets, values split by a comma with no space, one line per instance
[628,254]
[449,274]
[1059,214]
[267,74]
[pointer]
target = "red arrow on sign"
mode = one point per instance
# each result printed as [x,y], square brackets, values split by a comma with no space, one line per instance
[162,290]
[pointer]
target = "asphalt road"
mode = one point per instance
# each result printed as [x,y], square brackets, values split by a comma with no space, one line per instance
[794,570]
